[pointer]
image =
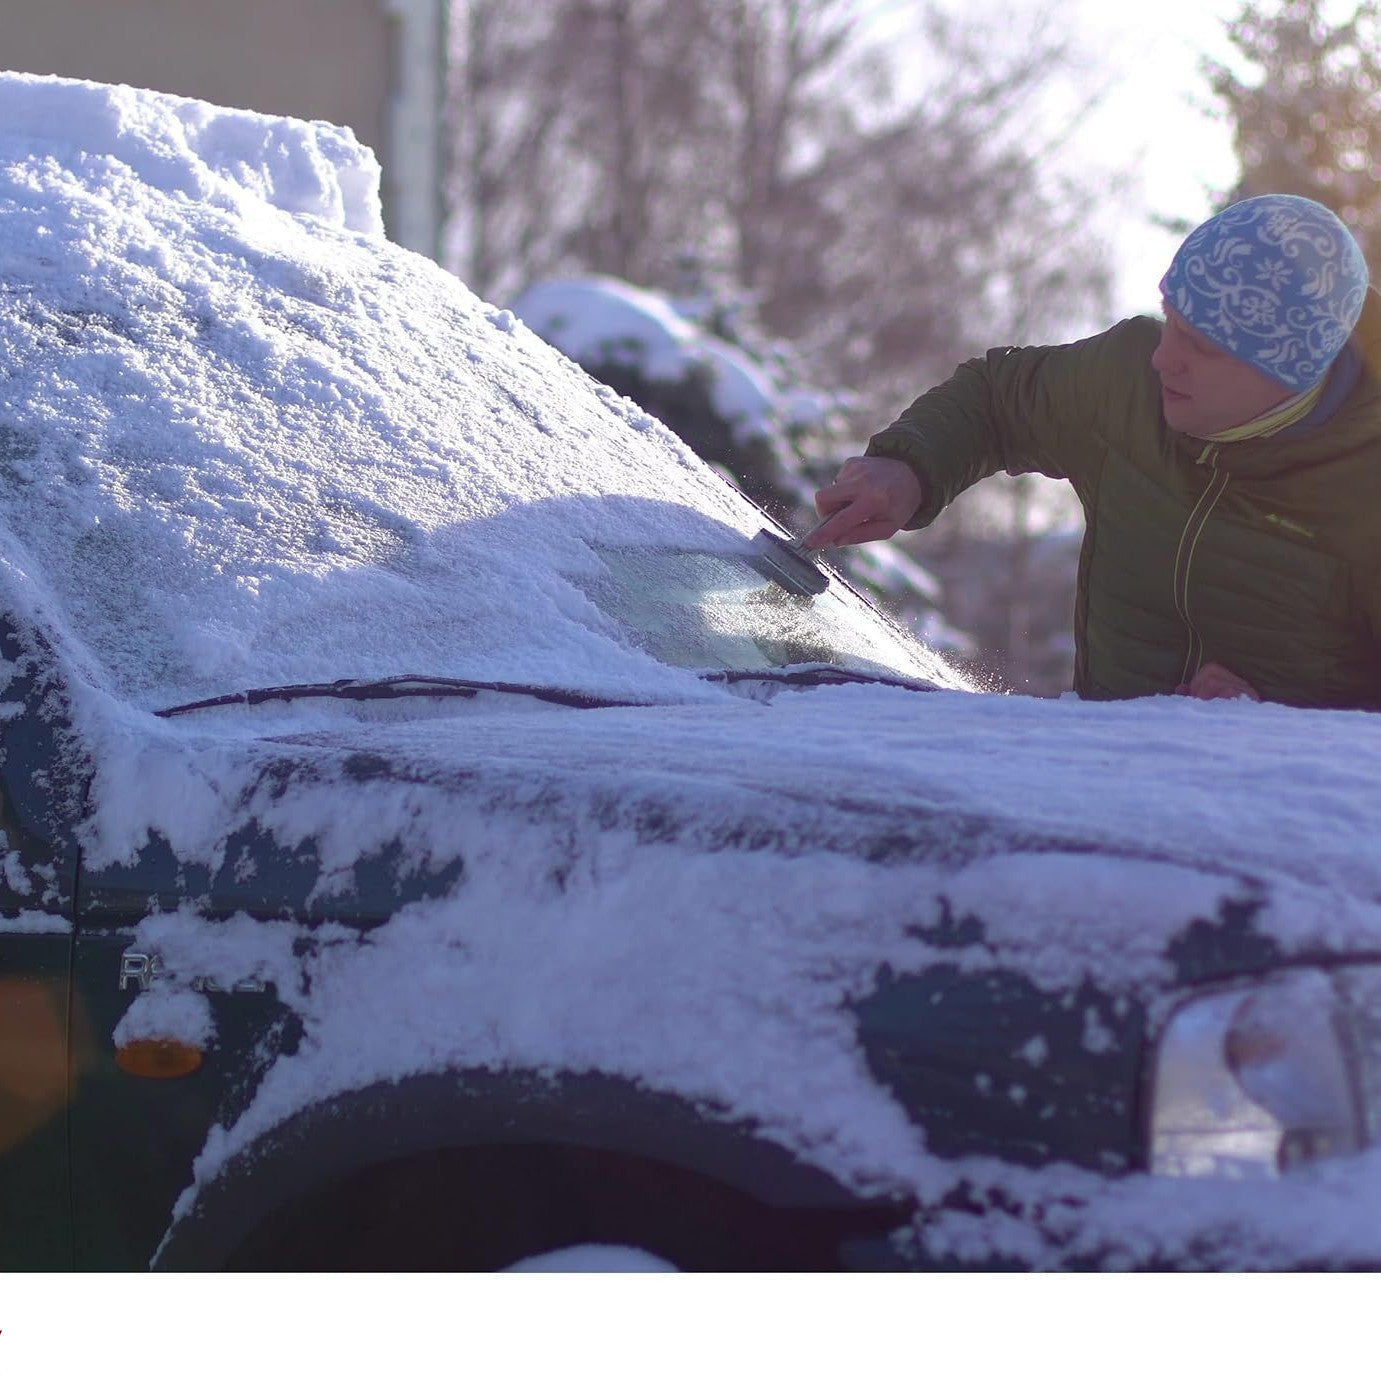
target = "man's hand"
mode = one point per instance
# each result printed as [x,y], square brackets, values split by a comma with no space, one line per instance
[871,498]
[1215,682]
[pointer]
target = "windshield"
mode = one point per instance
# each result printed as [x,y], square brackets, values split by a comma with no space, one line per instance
[241,447]
[708,610]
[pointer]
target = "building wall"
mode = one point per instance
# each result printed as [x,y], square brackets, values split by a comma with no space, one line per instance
[319,59]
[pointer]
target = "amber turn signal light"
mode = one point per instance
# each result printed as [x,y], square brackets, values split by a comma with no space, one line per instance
[155,1059]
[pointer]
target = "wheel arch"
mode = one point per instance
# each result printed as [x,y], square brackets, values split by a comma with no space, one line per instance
[441,1151]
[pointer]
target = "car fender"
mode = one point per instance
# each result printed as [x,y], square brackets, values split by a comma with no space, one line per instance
[332,1142]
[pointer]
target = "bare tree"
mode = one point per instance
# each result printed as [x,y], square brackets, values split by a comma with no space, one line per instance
[885,235]
[938,226]
[507,129]
[782,58]
[888,209]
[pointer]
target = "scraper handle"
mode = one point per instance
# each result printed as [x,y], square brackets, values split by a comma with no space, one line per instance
[798,544]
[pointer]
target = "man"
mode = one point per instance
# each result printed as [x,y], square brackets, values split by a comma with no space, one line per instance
[1228,461]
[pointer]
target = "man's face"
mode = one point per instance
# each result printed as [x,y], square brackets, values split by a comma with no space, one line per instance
[1204,389]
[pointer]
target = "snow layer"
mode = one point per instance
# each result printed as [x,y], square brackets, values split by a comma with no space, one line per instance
[245,441]
[594,1258]
[246,445]
[177,1015]
[232,159]
[35,923]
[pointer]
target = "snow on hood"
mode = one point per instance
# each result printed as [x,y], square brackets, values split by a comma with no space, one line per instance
[1033,812]
[729,878]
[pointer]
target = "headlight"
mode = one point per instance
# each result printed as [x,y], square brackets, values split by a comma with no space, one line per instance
[1254,1080]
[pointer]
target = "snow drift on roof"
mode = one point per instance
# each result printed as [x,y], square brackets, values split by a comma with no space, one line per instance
[230,158]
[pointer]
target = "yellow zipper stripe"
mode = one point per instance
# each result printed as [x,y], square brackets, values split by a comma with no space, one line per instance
[1220,479]
[1288,413]
[1184,559]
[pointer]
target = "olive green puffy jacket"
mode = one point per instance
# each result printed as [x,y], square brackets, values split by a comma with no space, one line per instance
[1265,558]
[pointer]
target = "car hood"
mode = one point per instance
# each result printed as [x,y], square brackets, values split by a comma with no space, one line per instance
[719,900]
[960,786]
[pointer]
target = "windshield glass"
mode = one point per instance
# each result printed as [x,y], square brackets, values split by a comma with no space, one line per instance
[244,447]
[713,611]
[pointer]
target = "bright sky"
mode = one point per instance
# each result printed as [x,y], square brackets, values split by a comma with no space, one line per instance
[1158,122]
[1155,145]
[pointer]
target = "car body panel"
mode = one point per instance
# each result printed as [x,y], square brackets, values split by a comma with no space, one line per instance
[35,1200]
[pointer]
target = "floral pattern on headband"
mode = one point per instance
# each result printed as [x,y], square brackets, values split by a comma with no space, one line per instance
[1277,281]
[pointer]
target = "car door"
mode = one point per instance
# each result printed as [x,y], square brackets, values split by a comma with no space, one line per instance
[35,1207]
[37,799]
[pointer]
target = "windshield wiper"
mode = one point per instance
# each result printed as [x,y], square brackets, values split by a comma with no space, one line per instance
[400,687]
[814,676]
[396,688]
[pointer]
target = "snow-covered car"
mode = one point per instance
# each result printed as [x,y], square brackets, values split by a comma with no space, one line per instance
[431,841]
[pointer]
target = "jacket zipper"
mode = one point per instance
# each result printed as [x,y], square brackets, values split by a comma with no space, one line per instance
[1184,557]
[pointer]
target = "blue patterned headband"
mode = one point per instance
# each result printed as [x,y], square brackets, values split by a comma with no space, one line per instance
[1277,281]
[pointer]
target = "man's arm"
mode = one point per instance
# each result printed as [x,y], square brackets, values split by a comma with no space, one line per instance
[1039,408]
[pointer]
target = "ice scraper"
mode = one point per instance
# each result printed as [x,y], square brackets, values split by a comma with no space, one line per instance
[788,562]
